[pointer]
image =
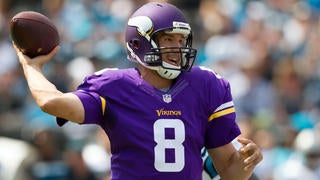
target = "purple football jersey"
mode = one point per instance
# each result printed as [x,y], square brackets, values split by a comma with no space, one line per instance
[156,134]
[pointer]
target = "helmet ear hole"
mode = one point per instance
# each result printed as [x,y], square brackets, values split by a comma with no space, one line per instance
[134,43]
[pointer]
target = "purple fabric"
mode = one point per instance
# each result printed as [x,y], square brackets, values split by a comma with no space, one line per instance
[152,134]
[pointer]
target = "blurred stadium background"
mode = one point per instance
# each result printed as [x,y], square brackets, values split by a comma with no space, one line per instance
[269,50]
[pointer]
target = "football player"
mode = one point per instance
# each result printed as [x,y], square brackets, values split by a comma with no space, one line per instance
[159,114]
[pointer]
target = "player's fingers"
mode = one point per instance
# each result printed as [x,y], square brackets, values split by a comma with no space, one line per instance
[18,51]
[249,167]
[251,162]
[14,46]
[42,59]
[244,141]
[248,146]
[54,52]
[21,56]
[49,56]
[250,153]
[253,156]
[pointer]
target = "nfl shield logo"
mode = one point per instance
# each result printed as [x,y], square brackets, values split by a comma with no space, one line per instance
[167,98]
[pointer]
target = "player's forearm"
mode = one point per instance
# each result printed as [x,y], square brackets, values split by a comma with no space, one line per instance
[42,90]
[50,99]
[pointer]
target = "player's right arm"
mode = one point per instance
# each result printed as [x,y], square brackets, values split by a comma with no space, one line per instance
[45,94]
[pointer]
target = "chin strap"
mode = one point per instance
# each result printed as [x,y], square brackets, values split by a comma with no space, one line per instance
[168,73]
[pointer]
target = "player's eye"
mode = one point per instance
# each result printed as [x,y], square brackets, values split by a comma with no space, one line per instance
[167,39]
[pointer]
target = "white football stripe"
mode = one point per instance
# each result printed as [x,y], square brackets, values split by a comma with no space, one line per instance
[225,105]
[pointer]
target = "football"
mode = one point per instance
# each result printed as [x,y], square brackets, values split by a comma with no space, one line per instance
[33,33]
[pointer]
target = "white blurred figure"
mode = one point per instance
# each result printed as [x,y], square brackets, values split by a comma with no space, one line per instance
[78,68]
[301,165]
[97,159]
[12,153]
[293,169]
[308,142]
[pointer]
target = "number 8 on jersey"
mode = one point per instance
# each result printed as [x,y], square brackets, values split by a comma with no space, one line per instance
[164,144]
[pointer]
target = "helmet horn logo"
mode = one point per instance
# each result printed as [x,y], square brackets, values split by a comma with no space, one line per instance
[143,23]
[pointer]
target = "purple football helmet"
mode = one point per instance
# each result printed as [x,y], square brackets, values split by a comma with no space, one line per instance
[140,33]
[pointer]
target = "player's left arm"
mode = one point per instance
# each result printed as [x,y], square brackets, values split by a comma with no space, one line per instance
[236,164]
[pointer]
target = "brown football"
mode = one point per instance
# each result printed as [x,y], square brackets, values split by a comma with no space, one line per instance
[33,33]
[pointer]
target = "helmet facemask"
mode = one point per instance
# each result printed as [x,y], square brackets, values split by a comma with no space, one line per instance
[184,55]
